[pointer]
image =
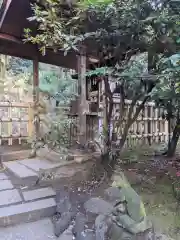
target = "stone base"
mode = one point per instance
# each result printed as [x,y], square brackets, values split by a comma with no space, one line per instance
[27,212]
[69,156]
[15,155]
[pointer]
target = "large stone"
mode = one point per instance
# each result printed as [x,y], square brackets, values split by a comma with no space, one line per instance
[63,205]
[67,234]
[114,195]
[120,209]
[63,223]
[130,225]
[27,176]
[27,212]
[115,232]
[5,184]
[141,227]
[134,204]
[125,221]
[120,180]
[9,197]
[37,164]
[101,227]
[79,225]
[88,234]
[82,158]
[38,193]
[52,156]
[98,206]
[128,236]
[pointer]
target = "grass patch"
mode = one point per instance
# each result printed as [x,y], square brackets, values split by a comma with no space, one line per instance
[162,207]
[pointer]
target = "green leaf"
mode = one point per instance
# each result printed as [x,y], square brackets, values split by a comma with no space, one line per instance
[98,71]
[178,40]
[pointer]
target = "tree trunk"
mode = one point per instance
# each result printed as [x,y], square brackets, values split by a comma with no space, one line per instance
[108,109]
[174,140]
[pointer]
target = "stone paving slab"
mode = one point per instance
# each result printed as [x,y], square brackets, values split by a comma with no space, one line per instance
[26,175]
[5,184]
[38,164]
[9,197]
[27,212]
[39,230]
[38,193]
[3,176]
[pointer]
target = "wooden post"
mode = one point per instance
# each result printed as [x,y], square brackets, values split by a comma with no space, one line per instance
[36,96]
[149,124]
[82,96]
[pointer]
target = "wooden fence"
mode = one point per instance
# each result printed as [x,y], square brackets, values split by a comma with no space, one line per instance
[149,127]
[16,123]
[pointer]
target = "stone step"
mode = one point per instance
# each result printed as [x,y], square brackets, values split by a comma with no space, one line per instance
[38,193]
[3,176]
[36,164]
[8,197]
[14,155]
[5,184]
[27,212]
[26,175]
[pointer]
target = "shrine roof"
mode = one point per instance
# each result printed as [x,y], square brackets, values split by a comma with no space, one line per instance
[14,16]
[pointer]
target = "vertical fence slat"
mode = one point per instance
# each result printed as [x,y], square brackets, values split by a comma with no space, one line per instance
[147,129]
[10,125]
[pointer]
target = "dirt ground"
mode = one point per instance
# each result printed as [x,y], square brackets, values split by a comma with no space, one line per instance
[152,177]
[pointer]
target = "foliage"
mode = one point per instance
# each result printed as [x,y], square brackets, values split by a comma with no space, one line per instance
[134,84]
[167,92]
[167,96]
[55,123]
[58,126]
[1,2]
[117,30]
[115,27]
[54,128]
[18,66]
[58,86]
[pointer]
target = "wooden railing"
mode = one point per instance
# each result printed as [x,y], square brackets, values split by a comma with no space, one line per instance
[16,122]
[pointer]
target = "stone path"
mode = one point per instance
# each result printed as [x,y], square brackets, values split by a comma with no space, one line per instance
[24,204]
[27,171]
[25,192]
[39,230]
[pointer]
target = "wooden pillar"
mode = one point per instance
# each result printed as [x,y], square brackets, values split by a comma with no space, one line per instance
[36,96]
[82,96]
[149,127]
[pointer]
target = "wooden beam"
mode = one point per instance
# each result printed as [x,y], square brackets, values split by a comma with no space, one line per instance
[36,97]
[4,8]
[29,51]
[9,38]
[82,96]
